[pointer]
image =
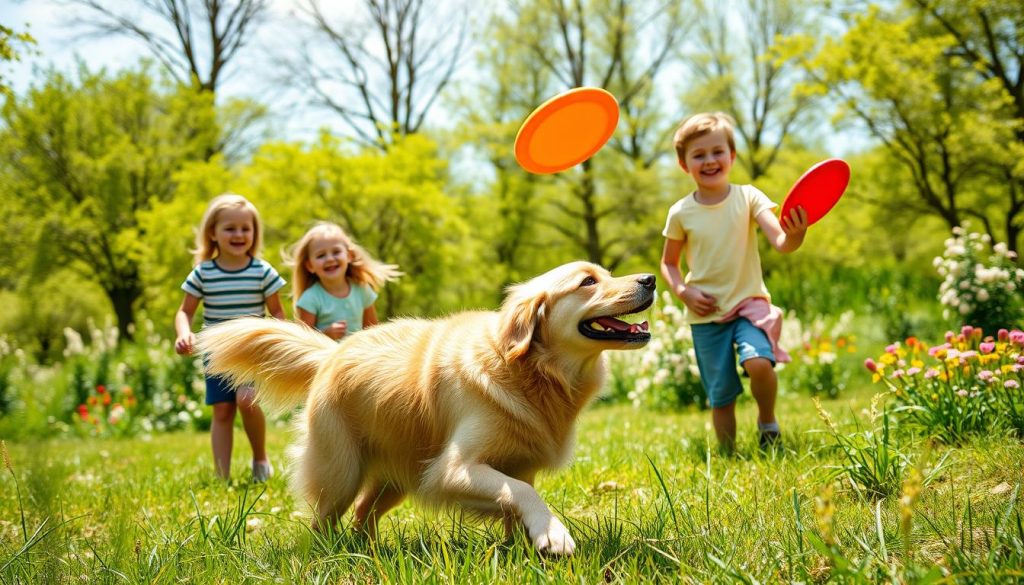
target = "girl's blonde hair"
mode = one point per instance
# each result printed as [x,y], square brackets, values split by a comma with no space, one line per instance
[206,247]
[362,268]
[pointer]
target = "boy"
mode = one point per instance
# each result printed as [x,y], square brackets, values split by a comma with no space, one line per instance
[728,305]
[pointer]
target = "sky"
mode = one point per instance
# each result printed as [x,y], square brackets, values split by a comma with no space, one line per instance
[58,44]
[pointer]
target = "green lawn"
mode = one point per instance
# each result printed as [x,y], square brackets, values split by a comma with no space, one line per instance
[645,500]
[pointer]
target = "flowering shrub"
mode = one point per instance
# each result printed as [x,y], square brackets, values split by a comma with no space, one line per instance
[817,367]
[982,284]
[968,385]
[121,390]
[662,375]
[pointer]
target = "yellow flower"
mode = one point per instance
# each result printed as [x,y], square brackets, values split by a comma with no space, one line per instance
[887,358]
[1006,368]
[917,363]
[935,397]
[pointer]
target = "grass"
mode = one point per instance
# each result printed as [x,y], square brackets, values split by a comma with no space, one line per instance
[648,498]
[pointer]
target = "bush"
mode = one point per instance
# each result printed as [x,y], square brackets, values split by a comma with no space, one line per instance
[818,367]
[664,374]
[982,284]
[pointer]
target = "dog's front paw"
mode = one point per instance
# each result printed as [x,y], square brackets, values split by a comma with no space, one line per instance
[553,538]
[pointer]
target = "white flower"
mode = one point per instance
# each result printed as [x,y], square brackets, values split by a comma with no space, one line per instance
[964,308]
[1001,249]
[983,295]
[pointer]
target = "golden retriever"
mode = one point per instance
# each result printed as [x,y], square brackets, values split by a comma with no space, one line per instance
[465,409]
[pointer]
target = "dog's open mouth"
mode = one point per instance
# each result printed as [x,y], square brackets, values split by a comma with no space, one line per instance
[613,328]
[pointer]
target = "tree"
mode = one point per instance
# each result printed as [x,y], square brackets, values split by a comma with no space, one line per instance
[739,72]
[989,35]
[85,157]
[383,74]
[195,40]
[11,43]
[952,130]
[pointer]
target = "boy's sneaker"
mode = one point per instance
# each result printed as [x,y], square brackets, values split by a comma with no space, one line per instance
[261,471]
[770,439]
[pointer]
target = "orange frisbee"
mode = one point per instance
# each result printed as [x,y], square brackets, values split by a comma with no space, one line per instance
[566,130]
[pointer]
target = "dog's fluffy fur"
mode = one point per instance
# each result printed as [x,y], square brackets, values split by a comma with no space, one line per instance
[464,409]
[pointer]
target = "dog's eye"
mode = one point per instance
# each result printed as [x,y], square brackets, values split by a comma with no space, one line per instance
[588,281]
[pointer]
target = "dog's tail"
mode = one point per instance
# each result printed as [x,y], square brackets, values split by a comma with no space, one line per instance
[281,357]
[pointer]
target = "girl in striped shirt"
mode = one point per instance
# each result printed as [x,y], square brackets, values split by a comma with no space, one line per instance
[231,281]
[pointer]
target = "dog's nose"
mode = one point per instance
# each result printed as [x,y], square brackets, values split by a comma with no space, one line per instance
[647,281]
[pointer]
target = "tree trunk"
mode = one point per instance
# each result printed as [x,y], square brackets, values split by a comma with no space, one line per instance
[123,300]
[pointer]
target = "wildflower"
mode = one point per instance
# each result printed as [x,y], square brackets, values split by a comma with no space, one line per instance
[7,457]
[987,347]
[961,393]
[930,373]
[101,389]
[1003,335]
[935,397]
[1011,384]
[913,371]
[871,365]
[892,347]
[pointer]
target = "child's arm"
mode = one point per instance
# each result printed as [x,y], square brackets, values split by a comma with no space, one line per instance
[274,306]
[697,300]
[787,236]
[306,317]
[369,316]
[183,325]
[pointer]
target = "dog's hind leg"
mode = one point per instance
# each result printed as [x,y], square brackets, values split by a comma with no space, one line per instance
[374,502]
[330,469]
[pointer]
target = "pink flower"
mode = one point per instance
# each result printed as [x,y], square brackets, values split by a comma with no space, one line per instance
[930,373]
[968,355]
[913,371]
[871,365]
[949,337]
[1017,337]
[967,331]
[892,347]
[1003,335]
[987,347]
[898,374]
[1011,384]
[961,393]
[934,350]
[985,375]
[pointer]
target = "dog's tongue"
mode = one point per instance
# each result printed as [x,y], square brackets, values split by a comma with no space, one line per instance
[616,325]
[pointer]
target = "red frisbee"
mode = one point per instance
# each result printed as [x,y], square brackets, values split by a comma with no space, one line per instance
[818,190]
[566,130]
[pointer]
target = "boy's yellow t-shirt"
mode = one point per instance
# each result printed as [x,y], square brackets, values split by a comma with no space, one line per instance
[720,246]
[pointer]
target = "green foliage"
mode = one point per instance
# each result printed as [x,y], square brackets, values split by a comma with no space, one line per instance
[12,44]
[821,363]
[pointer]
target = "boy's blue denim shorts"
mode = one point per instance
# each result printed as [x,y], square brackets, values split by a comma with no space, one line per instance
[717,346]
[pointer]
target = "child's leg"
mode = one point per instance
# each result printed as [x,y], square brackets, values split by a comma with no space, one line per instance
[764,386]
[724,421]
[221,436]
[716,359]
[254,422]
[758,361]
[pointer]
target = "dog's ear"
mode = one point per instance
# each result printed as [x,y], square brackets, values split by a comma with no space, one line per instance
[520,319]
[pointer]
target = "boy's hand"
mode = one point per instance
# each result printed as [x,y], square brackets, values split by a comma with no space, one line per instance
[796,224]
[336,330]
[698,301]
[183,344]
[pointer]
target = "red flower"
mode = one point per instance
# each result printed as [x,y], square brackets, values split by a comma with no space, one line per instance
[871,365]
[101,389]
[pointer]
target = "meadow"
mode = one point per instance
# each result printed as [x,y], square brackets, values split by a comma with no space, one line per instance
[648,498]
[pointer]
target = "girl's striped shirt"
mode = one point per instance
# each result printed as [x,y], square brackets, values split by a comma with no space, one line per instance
[227,294]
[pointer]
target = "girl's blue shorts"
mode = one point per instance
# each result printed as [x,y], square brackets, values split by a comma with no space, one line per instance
[717,346]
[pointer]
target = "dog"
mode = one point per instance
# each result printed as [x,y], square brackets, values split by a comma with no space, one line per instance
[465,409]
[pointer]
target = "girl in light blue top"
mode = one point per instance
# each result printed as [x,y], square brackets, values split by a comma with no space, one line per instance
[336,281]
